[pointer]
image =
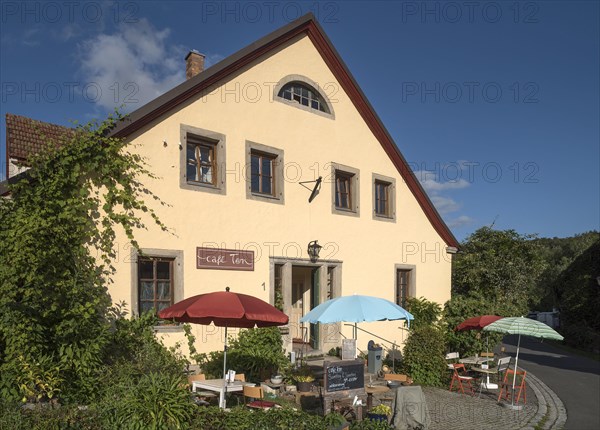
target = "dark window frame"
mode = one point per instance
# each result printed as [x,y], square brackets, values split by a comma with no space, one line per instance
[272,158]
[155,280]
[200,137]
[351,177]
[382,198]
[276,156]
[389,183]
[198,144]
[346,179]
[403,286]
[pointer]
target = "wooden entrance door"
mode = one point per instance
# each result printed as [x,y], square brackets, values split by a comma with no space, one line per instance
[300,302]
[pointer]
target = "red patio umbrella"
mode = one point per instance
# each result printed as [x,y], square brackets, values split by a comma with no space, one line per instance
[477,323]
[225,309]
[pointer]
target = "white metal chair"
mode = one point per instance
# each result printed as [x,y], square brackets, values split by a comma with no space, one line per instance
[451,358]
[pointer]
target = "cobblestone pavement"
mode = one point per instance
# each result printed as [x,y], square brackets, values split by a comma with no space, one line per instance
[451,410]
[454,411]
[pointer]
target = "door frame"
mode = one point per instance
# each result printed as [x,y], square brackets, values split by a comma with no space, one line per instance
[327,337]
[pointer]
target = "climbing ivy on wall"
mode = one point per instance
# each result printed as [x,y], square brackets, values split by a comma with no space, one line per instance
[56,247]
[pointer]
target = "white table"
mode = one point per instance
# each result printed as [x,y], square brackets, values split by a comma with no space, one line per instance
[479,361]
[219,386]
[487,384]
[475,360]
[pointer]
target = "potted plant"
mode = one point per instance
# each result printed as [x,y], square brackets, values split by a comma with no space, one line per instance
[276,378]
[380,412]
[304,382]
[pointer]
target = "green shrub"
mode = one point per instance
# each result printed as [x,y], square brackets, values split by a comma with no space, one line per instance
[242,418]
[256,352]
[369,424]
[157,401]
[424,311]
[424,354]
[48,417]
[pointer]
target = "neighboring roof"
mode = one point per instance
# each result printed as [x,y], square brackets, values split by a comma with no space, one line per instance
[308,25]
[26,136]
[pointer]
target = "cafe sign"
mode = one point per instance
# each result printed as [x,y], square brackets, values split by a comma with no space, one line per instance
[224,259]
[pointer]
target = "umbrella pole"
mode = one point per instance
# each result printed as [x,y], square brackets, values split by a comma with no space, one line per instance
[512,397]
[222,399]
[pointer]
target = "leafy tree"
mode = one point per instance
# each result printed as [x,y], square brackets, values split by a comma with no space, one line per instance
[56,245]
[501,266]
[460,308]
[559,254]
[578,292]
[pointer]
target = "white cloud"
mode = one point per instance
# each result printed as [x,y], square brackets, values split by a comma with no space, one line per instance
[431,184]
[461,221]
[132,66]
[445,205]
[442,179]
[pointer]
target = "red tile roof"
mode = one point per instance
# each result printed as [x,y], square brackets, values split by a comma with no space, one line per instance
[26,136]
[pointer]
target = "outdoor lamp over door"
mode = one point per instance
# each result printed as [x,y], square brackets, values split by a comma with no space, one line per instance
[313,250]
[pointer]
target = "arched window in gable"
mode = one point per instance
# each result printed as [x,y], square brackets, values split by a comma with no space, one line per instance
[305,95]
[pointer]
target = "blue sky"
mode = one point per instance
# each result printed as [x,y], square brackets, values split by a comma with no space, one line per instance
[495,104]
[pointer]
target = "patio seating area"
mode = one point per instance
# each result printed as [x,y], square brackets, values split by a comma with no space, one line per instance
[441,408]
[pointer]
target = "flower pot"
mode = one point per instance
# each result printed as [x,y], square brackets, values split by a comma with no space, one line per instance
[276,379]
[304,386]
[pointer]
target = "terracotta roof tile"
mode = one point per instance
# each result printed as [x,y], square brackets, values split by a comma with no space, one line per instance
[26,136]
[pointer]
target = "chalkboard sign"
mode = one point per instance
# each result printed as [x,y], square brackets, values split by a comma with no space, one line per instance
[344,375]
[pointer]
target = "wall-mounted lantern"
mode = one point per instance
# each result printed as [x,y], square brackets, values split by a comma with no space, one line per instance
[313,250]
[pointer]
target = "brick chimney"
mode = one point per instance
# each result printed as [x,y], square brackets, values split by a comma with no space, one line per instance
[194,64]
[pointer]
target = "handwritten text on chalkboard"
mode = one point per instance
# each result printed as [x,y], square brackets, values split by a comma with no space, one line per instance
[344,376]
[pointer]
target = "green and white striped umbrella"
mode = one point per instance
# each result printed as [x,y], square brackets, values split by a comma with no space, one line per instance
[523,326]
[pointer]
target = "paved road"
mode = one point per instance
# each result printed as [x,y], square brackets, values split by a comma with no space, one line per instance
[575,379]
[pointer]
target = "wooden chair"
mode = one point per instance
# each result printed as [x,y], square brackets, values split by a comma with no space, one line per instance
[506,390]
[236,394]
[487,354]
[395,377]
[204,395]
[192,378]
[461,379]
[257,394]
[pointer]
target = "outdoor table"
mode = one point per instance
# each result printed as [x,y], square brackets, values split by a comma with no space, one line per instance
[480,361]
[475,360]
[219,386]
[375,389]
[487,384]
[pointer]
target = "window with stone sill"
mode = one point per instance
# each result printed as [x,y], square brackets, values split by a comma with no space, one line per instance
[304,95]
[155,284]
[201,166]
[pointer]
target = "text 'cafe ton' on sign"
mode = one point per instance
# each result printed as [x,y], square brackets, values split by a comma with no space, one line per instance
[224,259]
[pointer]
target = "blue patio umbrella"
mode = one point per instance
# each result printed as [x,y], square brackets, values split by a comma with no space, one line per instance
[356,308]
